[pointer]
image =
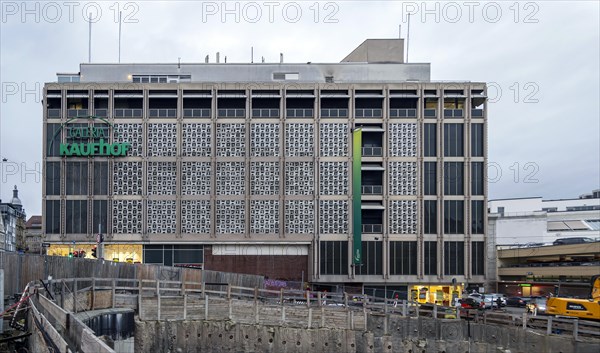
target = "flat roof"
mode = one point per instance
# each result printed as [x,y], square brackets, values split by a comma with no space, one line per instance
[517,198]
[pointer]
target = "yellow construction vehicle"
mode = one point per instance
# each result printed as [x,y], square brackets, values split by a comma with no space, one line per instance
[588,309]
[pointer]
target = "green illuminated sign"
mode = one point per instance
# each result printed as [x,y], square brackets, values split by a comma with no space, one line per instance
[94,149]
[89,141]
[525,285]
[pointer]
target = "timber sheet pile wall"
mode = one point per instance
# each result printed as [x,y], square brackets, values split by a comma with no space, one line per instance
[20,269]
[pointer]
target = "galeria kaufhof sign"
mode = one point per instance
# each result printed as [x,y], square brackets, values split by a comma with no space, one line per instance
[89,141]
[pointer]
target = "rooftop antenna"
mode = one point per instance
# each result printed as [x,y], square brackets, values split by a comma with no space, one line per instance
[179,63]
[407,37]
[252,55]
[225,59]
[218,56]
[263,59]
[206,59]
[400,31]
[90,38]
[119,37]
[281,58]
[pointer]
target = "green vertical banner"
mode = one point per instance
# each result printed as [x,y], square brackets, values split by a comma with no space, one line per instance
[356,196]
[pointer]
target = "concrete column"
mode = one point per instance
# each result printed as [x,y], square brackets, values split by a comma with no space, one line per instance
[158,300]
[75,296]
[140,290]
[114,299]
[185,307]
[206,307]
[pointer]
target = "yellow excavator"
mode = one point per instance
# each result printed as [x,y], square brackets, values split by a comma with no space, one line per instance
[588,309]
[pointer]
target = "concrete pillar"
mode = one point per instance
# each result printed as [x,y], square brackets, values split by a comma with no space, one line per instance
[114,292]
[206,307]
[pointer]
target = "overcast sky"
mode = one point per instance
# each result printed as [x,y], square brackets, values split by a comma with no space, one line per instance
[541,60]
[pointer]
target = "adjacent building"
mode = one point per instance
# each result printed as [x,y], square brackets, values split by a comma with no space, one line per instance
[533,220]
[33,235]
[545,246]
[13,219]
[363,175]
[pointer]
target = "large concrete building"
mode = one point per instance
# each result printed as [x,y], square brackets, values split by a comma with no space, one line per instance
[362,174]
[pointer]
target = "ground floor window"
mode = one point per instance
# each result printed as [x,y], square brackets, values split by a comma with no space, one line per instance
[372,259]
[334,257]
[173,255]
[403,257]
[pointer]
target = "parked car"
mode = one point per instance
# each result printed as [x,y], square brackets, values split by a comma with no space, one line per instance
[516,301]
[472,303]
[490,302]
[573,240]
[501,296]
[476,295]
[537,306]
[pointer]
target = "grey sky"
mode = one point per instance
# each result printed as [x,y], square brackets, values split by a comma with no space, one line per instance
[541,58]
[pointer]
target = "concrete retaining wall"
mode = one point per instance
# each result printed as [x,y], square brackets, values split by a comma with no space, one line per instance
[406,335]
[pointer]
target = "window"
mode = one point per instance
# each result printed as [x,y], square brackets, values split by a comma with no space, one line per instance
[454,217]
[161,78]
[188,254]
[77,177]
[76,217]
[477,178]
[53,216]
[372,259]
[334,257]
[453,178]
[52,178]
[430,257]
[477,257]
[594,224]
[583,208]
[477,140]
[100,218]
[453,140]
[403,257]
[153,254]
[100,178]
[430,176]
[52,141]
[173,255]
[454,258]
[429,140]
[62,78]
[477,220]
[286,76]
[430,217]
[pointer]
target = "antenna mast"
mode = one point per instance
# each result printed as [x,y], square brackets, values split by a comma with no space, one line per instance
[90,38]
[407,37]
[119,37]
